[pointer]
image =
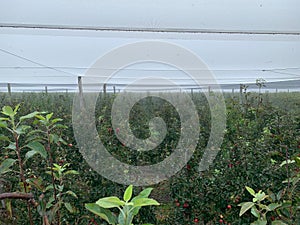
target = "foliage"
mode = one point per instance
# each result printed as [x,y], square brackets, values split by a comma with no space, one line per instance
[258,209]
[128,209]
[28,141]
[263,130]
[285,204]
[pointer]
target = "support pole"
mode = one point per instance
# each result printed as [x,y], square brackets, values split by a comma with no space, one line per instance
[9,89]
[104,89]
[81,99]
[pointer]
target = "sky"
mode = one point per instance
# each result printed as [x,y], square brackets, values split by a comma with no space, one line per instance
[59,56]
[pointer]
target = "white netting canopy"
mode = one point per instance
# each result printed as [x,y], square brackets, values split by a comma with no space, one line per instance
[49,45]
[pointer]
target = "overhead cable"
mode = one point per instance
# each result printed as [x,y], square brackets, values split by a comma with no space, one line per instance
[145,29]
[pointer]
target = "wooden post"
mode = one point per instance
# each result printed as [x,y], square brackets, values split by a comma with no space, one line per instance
[114,87]
[46,89]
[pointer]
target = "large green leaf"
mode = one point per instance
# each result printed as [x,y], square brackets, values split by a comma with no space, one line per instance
[7,110]
[103,213]
[29,116]
[128,193]
[143,194]
[36,148]
[6,164]
[245,207]
[110,202]
[144,202]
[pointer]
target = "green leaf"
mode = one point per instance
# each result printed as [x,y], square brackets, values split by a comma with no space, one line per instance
[11,146]
[69,207]
[16,108]
[278,222]
[50,203]
[125,220]
[255,212]
[145,193]
[3,124]
[110,202]
[49,187]
[22,129]
[40,117]
[128,193]
[29,116]
[3,138]
[287,162]
[259,222]
[144,202]
[56,120]
[260,196]
[297,160]
[37,148]
[273,206]
[71,193]
[48,116]
[72,172]
[103,213]
[29,154]
[250,190]
[7,110]
[279,195]
[262,206]
[245,207]
[6,164]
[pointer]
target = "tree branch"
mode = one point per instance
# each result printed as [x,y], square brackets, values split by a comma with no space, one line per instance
[16,195]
